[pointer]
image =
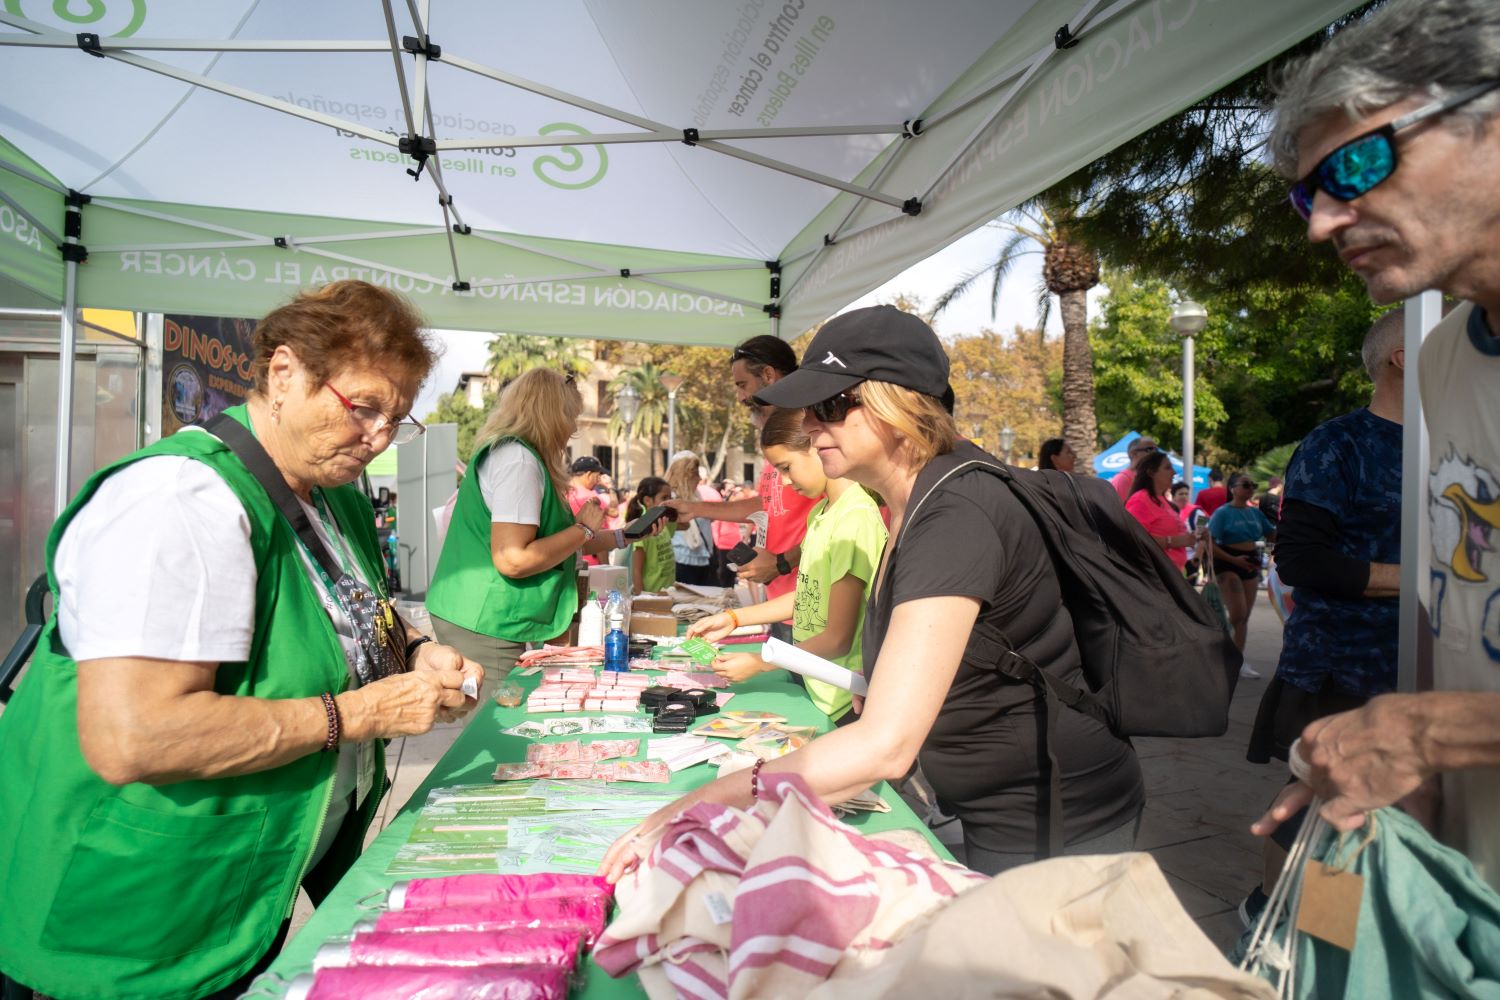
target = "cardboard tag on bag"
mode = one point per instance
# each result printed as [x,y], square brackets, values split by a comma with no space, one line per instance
[1329,910]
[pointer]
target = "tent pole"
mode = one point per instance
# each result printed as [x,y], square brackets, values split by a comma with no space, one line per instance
[1414,652]
[66,363]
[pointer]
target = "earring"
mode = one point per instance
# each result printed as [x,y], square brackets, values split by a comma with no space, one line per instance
[276,412]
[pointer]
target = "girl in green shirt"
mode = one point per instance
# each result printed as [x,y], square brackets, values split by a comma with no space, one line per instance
[845,537]
[653,567]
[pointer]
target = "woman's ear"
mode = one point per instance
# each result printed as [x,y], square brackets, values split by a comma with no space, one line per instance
[282,371]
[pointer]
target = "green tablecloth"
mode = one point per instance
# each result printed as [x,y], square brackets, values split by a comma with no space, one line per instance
[472,758]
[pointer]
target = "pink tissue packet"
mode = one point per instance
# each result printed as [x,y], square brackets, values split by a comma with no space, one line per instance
[581,913]
[526,946]
[395,982]
[463,890]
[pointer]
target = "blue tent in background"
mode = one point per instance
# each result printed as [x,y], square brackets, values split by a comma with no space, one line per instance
[1117,456]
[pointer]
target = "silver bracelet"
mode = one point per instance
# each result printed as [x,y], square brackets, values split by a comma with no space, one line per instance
[588,533]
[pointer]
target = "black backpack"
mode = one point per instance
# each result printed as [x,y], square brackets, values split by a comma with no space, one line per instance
[1156,658]
[1155,655]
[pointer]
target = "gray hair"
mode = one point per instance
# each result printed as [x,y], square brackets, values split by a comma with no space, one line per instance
[1381,340]
[1411,48]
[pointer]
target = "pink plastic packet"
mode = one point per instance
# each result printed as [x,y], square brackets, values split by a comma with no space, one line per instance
[398,982]
[583,914]
[517,947]
[464,890]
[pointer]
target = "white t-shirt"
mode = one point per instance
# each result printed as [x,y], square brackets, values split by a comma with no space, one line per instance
[510,480]
[1461,401]
[158,564]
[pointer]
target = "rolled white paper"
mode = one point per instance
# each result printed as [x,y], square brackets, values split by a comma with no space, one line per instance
[798,661]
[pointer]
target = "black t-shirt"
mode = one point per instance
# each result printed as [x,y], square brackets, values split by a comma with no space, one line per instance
[970,537]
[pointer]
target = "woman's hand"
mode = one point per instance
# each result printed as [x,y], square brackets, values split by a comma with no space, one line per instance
[435,656]
[406,704]
[738,667]
[626,853]
[713,628]
[590,515]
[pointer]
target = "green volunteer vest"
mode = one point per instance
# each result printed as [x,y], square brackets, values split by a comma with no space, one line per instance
[468,591]
[170,891]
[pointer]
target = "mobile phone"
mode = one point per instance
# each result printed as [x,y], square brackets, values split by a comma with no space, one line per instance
[641,526]
[742,554]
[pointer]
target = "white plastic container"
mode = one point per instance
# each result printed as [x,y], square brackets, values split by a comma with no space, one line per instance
[591,622]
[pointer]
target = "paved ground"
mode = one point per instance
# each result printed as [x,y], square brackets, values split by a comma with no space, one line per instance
[1201,796]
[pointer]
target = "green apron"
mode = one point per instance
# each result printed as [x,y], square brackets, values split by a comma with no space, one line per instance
[468,591]
[173,890]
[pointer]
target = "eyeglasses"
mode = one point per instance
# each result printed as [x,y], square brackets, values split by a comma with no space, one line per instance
[374,422]
[1368,159]
[834,409]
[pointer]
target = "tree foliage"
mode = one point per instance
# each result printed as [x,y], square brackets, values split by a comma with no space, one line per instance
[454,408]
[1001,382]
[514,353]
[651,417]
[1271,364]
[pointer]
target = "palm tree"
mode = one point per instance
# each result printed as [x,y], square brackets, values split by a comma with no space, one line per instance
[1069,270]
[651,418]
[514,353]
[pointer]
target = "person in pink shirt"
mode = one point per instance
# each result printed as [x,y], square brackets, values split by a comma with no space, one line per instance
[586,473]
[1149,504]
[1124,480]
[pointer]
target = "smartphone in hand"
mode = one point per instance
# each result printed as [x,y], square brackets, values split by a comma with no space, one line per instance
[641,526]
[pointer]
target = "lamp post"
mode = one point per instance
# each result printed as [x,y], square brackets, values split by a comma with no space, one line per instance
[628,399]
[1188,320]
[672,383]
[1007,438]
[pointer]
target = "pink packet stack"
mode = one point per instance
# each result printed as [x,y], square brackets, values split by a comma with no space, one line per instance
[550,753]
[609,749]
[387,982]
[461,890]
[582,913]
[652,771]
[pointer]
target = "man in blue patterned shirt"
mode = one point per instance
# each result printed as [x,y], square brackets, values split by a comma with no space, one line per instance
[1338,544]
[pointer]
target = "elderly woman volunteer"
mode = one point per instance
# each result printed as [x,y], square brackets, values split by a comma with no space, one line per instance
[200,730]
[965,565]
[506,573]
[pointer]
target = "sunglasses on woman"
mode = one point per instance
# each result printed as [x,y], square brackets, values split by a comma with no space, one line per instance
[835,408]
[1368,159]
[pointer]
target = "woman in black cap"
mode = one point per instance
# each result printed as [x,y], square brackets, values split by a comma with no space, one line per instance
[965,567]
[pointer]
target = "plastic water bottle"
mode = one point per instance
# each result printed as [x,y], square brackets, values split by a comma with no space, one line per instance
[591,622]
[617,645]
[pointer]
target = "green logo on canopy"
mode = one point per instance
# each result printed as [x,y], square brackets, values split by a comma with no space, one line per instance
[74,14]
[555,169]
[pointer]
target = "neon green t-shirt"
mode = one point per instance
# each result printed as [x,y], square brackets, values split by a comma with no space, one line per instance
[844,538]
[660,569]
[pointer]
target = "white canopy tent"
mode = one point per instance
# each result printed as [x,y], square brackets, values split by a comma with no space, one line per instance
[683,171]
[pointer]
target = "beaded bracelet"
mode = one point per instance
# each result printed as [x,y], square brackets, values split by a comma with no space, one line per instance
[335,723]
[733,617]
[755,779]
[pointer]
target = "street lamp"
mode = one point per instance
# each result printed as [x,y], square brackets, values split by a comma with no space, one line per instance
[1007,438]
[672,383]
[628,399]
[1188,320]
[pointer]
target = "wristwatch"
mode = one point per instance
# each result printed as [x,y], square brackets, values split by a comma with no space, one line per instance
[782,566]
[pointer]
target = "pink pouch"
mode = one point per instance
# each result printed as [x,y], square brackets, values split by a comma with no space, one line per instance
[579,913]
[517,947]
[398,982]
[457,890]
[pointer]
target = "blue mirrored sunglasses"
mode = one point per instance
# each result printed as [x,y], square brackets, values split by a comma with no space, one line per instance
[1364,161]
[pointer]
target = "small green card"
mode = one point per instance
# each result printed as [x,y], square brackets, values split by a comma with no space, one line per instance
[703,653]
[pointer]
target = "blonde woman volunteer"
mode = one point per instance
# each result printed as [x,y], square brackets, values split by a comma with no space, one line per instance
[506,575]
[965,564]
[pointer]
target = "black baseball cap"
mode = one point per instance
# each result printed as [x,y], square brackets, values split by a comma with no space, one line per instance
[878,342]
[586,463]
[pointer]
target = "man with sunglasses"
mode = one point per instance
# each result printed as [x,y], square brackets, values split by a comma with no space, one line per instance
[1391,132]
[755,364]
